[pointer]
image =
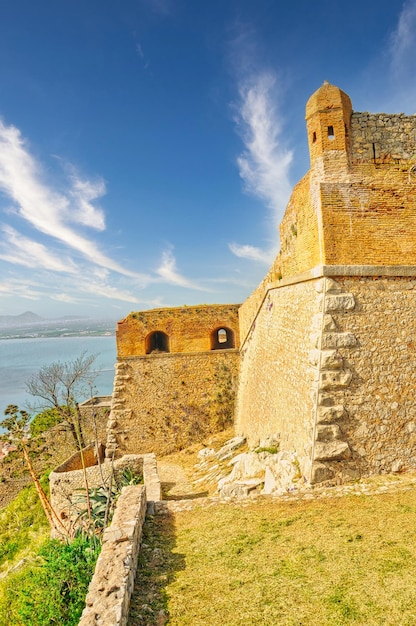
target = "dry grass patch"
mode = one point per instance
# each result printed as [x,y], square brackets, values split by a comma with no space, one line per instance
[349,560]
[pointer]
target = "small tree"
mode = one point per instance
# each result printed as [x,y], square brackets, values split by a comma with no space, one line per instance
[16,427]
[60,385]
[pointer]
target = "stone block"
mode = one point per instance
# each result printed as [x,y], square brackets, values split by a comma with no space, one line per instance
[319,473]
[328,432]
[331,360]
[339,302]
[331,451]
[337,340]
[328,414]
[335,379]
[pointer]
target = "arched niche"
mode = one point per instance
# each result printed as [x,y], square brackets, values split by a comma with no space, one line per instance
[157,341]
[222,338]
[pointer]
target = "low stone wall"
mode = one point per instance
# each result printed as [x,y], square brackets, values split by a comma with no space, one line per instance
[108,598]
[69,477]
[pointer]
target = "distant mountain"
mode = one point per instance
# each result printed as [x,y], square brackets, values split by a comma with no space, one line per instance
[17,321]
[31,325]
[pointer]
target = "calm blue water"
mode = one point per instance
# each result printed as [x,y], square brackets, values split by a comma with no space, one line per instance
[21,358]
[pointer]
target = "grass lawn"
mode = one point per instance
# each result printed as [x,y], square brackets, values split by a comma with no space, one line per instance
[349,560]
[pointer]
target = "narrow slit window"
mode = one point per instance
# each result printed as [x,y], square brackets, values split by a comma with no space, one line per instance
[314,137]
[331,134]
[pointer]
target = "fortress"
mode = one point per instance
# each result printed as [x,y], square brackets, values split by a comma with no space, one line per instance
[322,355]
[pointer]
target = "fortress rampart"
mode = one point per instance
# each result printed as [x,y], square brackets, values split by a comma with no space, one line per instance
[325,346]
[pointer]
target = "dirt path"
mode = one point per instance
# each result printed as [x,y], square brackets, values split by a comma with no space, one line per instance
[176,483]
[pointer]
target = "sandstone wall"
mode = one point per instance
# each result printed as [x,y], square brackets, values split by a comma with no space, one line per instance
[370,220]
[165,402]
[276,377]
[299,232]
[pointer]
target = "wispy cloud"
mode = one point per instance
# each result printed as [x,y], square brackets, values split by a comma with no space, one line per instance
[264,163]
[252,252]
[139,50]
[47,210]
[167,270]
[66,264]
[402,41]
[402,54]
[26,289]
[20,250]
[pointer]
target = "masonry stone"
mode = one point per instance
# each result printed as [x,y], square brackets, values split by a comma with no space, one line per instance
[322,355]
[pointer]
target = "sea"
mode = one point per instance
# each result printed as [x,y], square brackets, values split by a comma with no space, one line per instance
[23,357]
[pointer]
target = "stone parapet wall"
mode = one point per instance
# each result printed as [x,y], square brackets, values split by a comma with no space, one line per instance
[381,136]
[108,598]
[165,402]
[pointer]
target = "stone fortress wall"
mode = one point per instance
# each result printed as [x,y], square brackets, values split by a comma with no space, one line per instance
[176,377]
[325,346]
[336,331]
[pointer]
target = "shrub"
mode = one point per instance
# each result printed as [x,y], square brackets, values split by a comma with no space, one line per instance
[53,589]
[44,421]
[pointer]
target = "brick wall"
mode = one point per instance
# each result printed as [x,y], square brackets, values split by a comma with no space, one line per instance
[188,329]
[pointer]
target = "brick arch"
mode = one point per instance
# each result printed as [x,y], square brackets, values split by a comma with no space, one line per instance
[157,341]
[222,338]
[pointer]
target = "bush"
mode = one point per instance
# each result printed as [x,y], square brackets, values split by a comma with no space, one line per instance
[44,421]
[53,590]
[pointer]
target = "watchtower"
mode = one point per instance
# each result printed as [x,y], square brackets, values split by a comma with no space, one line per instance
[328,121]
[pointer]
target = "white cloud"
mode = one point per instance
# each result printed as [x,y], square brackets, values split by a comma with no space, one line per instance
[139,50]
[264,164]
[105,290]
[84,192]
[169,273]
[21,289]
[64,297]
[46,209]
[20,250]
[252,253]
[403,41]
[401,57]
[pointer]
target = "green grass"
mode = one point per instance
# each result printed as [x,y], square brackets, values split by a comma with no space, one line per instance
[23,528]
[349,560]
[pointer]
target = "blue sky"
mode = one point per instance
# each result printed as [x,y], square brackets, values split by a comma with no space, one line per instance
[148,147]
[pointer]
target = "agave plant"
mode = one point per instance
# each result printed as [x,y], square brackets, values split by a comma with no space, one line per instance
[102,501]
